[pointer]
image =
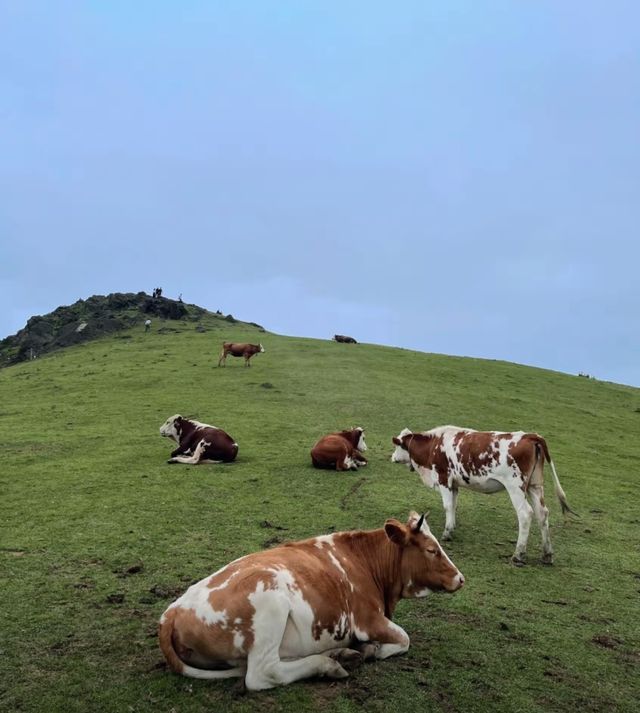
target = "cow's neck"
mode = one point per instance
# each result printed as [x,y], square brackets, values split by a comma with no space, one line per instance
[186,429]
[382,561]
[421,448]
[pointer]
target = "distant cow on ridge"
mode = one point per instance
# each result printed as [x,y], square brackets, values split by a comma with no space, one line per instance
[340,450]
[448,458]
[239,350]
[198,442]
[343,338]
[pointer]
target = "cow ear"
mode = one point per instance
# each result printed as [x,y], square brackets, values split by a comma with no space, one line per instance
[396,441]
[396,532]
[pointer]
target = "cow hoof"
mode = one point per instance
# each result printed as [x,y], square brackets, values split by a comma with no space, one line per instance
[370,650]
[348,658]
[547,558]
[519,560]
[446,536]
[172,460]
[335,670]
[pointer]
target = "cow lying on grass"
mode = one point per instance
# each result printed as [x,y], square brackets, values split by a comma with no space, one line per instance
[198,442]
[239,350]
[340,450]
[449,458]
[304,608]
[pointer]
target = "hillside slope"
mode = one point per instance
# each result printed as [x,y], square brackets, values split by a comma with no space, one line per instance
[100,534]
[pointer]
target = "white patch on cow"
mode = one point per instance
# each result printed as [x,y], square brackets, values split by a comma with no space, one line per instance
[261,348]
[323,540]
[422,593]
[400,455]
[362,446]
[298,639]
[197,599]
[341,569]
[237,620]
[238,637]
[226,581]
[429,476]
[169,429]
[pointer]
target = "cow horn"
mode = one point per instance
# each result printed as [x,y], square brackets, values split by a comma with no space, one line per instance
[418,527]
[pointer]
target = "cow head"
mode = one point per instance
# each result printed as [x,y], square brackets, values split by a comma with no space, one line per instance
[362,446]
[425,566]
[172,427]
[401,453]
[261,348]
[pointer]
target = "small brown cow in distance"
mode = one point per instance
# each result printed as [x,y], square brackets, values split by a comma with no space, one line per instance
[340,450]
[239,350]
[343,338]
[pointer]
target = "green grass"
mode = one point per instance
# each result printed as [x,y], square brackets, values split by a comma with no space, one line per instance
[86,494]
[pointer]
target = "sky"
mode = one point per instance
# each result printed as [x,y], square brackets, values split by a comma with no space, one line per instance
[448,176]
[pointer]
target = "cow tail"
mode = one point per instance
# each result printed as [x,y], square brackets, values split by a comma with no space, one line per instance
[165,637]
[564,504]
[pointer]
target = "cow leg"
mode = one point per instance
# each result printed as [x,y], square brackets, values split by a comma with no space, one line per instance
[265,668]
[541,512]
[449,502]
[197,456]
[359,458]
[385,639]
[346,463]
[524,512]
[180,451]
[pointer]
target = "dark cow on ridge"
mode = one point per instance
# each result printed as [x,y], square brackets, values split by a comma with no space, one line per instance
[303,608]
[344,339]
[449,458]
[198,442]
[340,450]
[239,350]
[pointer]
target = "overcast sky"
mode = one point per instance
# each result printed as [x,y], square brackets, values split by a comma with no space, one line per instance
[456,177]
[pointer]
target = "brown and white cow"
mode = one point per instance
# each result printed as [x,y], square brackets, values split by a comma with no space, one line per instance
[300,609]
[448,458]
[341,450]
[198,442]
[239,350]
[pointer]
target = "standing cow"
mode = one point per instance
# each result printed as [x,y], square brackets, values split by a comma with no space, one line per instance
[340,450]
[198,442]
[303,608]
[239,350]
[449,458]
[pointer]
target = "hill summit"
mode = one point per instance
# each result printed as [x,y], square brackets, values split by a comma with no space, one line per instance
[92,318]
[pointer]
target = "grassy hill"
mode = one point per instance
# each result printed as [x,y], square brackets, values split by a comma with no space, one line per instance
[98,534]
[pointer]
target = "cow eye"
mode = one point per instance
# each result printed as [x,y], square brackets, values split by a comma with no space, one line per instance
[431,550]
